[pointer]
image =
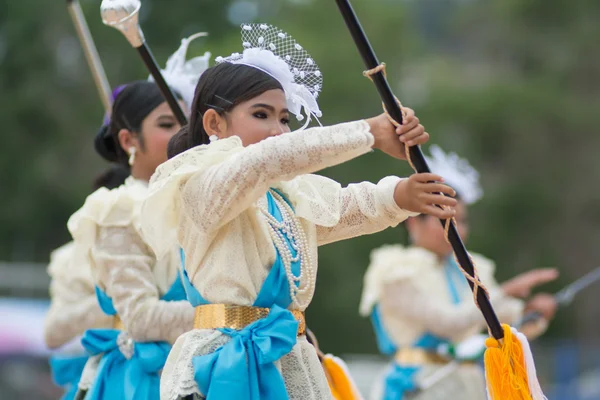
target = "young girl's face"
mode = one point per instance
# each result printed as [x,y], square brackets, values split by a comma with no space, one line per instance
[157,129]
[427,231]
[259,118]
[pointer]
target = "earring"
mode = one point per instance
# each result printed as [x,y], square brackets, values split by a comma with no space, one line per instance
[213,138]
[131,156]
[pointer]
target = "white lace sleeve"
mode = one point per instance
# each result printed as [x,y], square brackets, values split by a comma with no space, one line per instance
[226,189]
[73,306]
[365,208]
[124,270]
[438,317]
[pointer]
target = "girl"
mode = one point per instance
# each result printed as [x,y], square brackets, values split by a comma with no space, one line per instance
[250,216]
[141,292]
[420,302]
[73,304]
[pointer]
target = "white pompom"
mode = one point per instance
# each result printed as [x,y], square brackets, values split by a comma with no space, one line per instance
[261,40]
[281,35]
[317,73]
[298,47]
[310,61]
[272,46]
[247,44]
[247,27]
[264,27]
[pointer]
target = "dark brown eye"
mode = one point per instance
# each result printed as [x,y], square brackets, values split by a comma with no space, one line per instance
[260,115]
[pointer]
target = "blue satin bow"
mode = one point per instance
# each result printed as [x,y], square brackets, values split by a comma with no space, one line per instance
[399,381]
[244,367]
[66,372]
[122,378]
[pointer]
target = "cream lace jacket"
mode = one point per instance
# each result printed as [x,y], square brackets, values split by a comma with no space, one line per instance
[212,196]
[73,305]
[409,284]
[106,232]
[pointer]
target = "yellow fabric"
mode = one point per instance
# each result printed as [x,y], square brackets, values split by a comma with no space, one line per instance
[340,382]
[505,369]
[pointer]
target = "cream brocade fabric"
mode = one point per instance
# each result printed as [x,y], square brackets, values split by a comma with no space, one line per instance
[106,231]
[211,194]
[73,305]
[410,286]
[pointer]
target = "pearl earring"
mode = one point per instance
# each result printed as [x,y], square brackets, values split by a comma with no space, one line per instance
[213,138]
[131,156]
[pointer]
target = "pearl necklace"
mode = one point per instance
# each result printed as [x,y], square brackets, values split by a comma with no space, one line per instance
[291,229]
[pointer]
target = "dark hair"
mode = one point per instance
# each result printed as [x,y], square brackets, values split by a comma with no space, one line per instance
[131,106]
[221,88]
[111,178]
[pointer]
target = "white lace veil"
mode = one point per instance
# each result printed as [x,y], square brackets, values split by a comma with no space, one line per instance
[276,53]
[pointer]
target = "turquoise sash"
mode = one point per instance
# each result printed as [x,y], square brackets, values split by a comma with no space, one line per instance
[244,369]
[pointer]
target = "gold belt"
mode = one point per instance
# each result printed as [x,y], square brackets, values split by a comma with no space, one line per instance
[417,356]
[118,324]
[213,316]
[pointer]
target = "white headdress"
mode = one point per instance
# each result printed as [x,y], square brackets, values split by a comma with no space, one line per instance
[457,173]
[183,75]
[276,53]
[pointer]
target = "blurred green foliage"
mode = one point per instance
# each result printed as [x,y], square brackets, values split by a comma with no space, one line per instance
[511,85]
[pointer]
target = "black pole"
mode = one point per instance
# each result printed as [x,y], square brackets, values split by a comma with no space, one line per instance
[80,395]
[166,91]
[416,155]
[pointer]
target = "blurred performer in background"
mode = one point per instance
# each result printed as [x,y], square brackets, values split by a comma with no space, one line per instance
[412,322]
[142,296]
[73,305]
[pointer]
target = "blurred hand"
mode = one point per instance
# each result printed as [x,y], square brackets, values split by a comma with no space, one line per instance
[421,192]
[521,285]
[543,303]
[392,140]
[535,328]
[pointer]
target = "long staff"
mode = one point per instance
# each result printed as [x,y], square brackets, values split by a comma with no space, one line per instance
[510,370]
[91,54]
[377,74]
[123,15]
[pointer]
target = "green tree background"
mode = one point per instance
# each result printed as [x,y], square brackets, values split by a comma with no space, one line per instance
[511,85]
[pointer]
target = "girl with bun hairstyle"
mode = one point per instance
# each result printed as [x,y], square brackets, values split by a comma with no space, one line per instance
[141,293]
